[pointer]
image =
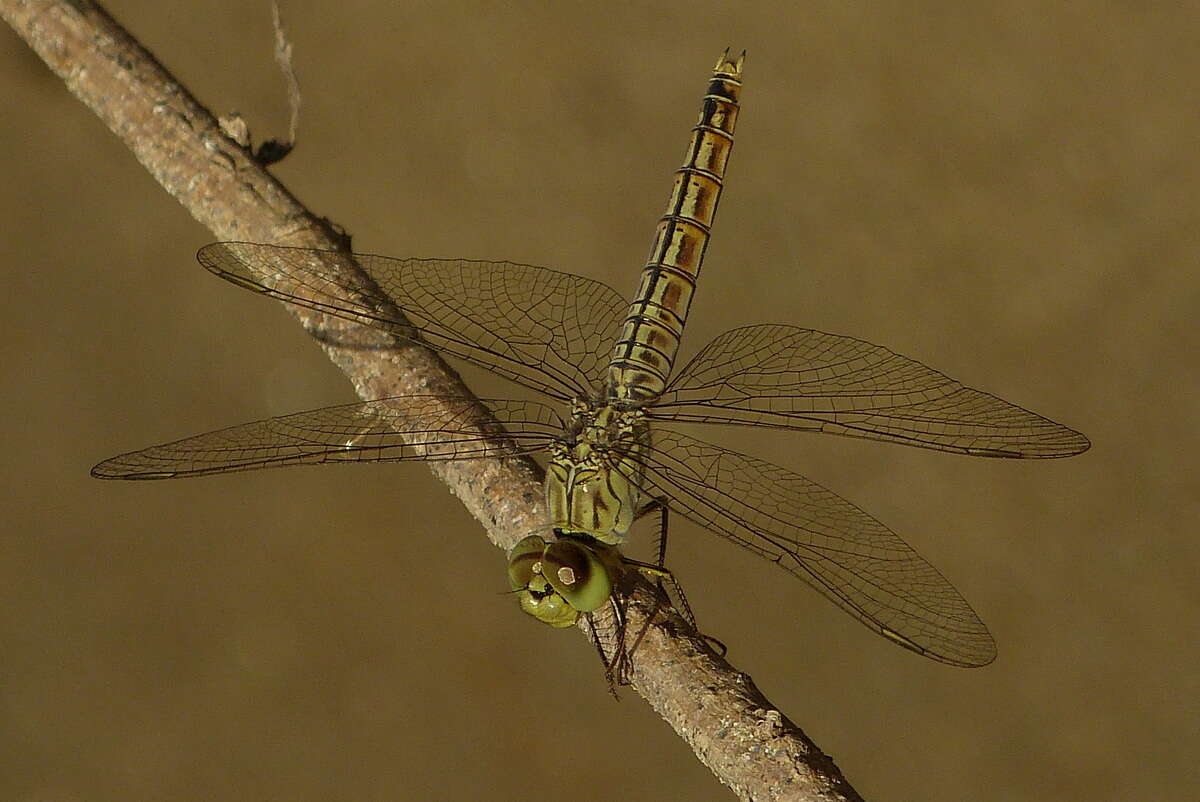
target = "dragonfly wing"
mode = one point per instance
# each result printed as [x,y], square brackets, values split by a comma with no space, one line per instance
[845,554]
[792,378]
[428,428]
[544,329]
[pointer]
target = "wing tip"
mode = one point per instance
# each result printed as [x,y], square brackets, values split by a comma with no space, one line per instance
[1080,443]
[205,254]
[977,652]
[114,468]
[1068,443]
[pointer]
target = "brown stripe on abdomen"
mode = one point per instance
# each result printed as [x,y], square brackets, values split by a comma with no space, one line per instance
[649,339]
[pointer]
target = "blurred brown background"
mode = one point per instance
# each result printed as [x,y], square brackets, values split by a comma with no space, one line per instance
[1007,191]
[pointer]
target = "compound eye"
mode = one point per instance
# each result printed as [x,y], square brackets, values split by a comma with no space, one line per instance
[577,574]
[523,561]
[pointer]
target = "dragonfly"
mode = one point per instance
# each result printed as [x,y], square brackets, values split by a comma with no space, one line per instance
[606,369]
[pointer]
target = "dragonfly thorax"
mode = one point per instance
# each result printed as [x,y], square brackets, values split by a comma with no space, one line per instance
[604,425]
[593,476]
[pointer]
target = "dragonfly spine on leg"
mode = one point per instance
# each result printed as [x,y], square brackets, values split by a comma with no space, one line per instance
[650,335]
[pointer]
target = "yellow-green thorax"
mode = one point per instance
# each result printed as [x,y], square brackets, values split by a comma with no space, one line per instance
[592,478]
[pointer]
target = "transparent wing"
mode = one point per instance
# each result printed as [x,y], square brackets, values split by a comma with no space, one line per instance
[792,378]
[547,330]
[429,428]
[849,557]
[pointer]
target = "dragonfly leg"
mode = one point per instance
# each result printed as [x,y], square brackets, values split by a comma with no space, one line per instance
[660,506]
[609,630]
[658,570]
[661,574]
[611,648]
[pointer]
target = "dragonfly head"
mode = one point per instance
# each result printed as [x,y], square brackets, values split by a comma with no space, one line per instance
[557,580]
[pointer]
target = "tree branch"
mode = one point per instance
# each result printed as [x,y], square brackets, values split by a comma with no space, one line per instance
[730,725]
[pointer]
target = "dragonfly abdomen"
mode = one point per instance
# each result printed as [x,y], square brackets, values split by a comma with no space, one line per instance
[649,340]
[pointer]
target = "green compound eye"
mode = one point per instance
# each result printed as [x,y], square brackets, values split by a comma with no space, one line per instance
[523,560]
[537,596]
[577,574]
[556,581]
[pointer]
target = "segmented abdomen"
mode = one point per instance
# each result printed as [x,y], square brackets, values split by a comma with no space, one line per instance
[649,339]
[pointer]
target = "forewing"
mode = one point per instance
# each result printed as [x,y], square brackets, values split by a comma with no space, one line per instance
[425,428]
[547,330]
[792,378]
[848,556]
